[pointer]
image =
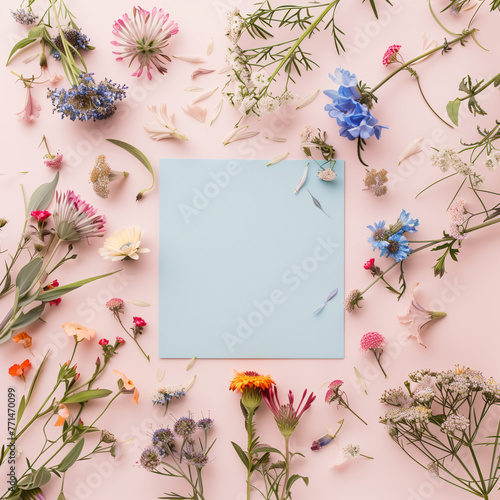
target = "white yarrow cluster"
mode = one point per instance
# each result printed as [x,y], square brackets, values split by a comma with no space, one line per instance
[458,219]
[351,451]
[412,415]
[455,422]
[493,160]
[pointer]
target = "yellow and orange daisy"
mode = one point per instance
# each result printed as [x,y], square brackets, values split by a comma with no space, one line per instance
[250,380]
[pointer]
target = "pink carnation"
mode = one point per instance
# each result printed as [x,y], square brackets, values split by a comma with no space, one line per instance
[390,55]
[40,215]
[333,390]
[120,340]
[103,342]
[369,264]
[138,321]
[372,340]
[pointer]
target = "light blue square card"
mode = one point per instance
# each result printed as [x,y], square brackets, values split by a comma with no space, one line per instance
[245,263]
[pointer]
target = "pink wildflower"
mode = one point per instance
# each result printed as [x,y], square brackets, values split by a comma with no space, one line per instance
[31,108]
[390,55]
[40,215]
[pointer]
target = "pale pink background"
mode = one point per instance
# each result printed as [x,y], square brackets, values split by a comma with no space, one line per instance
[468,292]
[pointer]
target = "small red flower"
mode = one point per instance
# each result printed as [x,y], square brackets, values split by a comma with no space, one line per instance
[138,321]
[55,302]
[120,340]
[390,55]
[103,342]
[18,370]
[368,264]
[40,215]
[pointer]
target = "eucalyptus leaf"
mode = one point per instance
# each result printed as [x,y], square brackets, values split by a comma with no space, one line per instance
[452,108]
[28,318]
[58,292]
[84,396]
[71,457]
[42,196]
[140,156]
[28,275]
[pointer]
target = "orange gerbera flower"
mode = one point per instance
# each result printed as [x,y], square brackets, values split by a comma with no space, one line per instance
[129,386]
[18,370]
[24,339]
[79,331]
[63,415]
[250,380]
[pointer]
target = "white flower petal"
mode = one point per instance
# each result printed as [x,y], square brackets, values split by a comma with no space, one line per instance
[308,100]
[217,111]
[210,46]
[412,149]
[302,180]
[194,89]
[204,96]
[239,134]
[197,112]
[139,303]
[190,59]
[191,363]
[277,159]
[276,139]
[201,71]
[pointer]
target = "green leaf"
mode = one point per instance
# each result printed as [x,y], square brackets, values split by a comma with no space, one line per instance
[20,409]
[42,196]
[496,82]
[294,478]
[28,275]
[61,496]
[35,378]
[140,156]
[18,46]
[58,292]
[26,319]
[35,479]
[71,457]
[267,449]
[241,454]
[84,396]
[452,108]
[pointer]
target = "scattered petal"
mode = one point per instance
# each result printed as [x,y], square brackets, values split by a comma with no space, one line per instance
[194,89]
[302,180]
[191,363]
[317,203]
[31,58]
[276,139]
[330,297]
[412,149]
[470,6]
[210,47]
[217,111]
[139,303]
[201,71]
[190,59]
[307,100]
[190,383]
[204,96]
[360,380]
[164,127]
[428,43]
[277,159]
[160,374]
[197,112]
[225,70]
[239,134]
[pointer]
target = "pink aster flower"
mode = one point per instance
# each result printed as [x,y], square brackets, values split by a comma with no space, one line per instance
[390,55]
[31,108]
[334,393]
[374,341]
[115,305]
[417,317]
[144,37]
[286,416]
[40,215]
[74,219]
[53,161]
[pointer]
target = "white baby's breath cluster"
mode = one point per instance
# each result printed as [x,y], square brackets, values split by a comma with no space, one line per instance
[351,451]
[447,158]
[455,422]
[246,90]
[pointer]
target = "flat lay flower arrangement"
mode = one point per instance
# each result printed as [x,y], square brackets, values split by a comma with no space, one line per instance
[72,403]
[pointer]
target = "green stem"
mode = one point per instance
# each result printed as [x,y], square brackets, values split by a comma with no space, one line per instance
[249,426]
[427,102]
[284,491]
[480,89]
[421,56]
[439,22]
[304,35]
[132,337]
[377,357]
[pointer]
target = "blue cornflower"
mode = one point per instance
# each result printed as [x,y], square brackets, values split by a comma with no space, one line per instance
[379,233]
[354,119]
[408,224]
[344,77]
[75,38]
[395,246]
[87,100]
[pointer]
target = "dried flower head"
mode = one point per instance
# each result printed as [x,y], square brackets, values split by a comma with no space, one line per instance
[151,458]
[185,427]
[101,175]
[327,175]
[375,181]
[115,305]
[144,37]
[75,39]
[22,16]
[352,300]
